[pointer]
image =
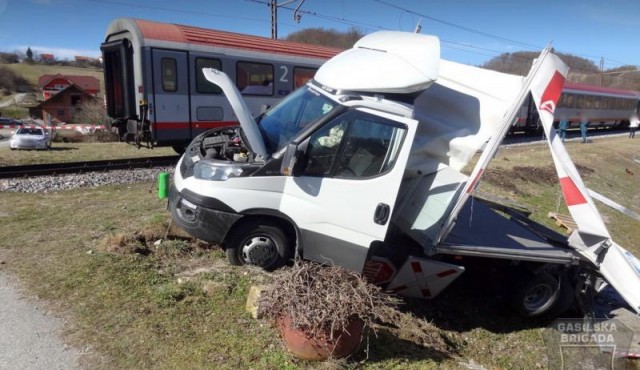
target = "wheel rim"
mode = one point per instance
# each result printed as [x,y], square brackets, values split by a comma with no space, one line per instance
[538,297]
[259,250]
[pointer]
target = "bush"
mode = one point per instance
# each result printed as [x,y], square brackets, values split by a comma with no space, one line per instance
[91,112]
[323,299]
[10,80]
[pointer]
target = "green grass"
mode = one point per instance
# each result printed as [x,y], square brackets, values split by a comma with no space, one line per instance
[90,253]
[77,152]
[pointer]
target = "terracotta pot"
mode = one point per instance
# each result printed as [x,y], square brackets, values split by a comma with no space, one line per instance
[321,347]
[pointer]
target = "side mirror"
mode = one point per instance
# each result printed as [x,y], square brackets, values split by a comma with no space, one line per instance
[292,160]
[289,160]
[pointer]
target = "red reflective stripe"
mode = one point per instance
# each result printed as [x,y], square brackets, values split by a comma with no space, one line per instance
[446,273]
[474,183]
[572,194]
[552,92]
[415,266]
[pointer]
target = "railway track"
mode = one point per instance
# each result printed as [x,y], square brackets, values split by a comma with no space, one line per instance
[49,169]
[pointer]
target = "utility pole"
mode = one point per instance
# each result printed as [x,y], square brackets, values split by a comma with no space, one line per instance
[273,4]
[600,75]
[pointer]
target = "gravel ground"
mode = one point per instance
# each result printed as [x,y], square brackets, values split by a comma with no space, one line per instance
[46,184]
[29,335]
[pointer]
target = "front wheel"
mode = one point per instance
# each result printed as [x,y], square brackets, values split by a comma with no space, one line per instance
[259,243]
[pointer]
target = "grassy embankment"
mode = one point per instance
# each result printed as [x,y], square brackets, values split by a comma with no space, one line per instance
[177,304]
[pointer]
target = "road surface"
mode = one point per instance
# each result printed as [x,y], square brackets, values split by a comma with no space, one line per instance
[29,335]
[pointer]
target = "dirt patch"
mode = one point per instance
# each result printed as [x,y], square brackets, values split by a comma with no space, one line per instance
[510,179]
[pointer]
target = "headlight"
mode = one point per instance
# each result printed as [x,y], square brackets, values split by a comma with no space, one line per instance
[205,170]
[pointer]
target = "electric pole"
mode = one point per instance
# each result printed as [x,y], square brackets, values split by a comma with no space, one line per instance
[274,15]
[600,75]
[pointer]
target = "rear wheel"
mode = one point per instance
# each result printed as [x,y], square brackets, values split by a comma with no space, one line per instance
[541,294]
[260,243]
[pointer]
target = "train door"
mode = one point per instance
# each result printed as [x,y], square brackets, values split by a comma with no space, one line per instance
[170,106]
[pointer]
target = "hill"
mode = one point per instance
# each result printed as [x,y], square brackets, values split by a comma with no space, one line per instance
[31,72]
[580,69]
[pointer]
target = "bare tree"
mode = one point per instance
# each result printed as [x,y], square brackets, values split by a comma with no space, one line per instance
[91,112]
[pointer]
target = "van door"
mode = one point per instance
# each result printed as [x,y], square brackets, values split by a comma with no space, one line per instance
[342,196]
[170,111]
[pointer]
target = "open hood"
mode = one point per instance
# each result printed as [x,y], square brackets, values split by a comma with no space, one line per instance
[242,112]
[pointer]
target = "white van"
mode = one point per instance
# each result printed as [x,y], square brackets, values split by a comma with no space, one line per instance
[362,168]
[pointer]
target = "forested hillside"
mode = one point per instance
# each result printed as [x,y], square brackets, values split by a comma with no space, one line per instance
[580,69]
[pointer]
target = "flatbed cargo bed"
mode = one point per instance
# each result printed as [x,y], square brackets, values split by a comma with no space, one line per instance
[483,231]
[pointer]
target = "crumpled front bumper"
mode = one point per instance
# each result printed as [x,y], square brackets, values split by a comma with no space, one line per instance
[202,217]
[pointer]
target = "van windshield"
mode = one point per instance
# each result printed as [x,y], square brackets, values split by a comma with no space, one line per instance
[287,119]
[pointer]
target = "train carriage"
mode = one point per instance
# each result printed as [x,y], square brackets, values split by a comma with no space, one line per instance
[602,107]
[156,93]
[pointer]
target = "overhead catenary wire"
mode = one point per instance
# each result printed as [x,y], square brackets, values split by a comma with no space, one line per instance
[342,20]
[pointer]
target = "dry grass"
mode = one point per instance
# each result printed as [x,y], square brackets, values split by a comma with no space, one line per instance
[77,152]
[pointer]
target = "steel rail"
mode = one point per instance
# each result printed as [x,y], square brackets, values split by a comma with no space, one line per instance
[48,169]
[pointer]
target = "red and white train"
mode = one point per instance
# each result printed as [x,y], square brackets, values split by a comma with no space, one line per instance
[602,107]
[156,94]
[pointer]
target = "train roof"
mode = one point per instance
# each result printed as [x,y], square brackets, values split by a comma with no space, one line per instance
[599,90]
[148,31]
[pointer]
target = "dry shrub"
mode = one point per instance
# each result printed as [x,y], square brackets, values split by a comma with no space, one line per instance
[323,299]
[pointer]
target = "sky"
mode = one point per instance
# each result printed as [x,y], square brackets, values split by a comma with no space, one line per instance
[471,31]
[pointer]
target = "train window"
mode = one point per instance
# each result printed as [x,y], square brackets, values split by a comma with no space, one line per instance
[203,85]
[605,102]
[169,74]
[588,102]
[562,101]
[597,102]
[629,104]
[254,78]
[580,101]
[209,113]
[568,100]
[619,103]
[302,75]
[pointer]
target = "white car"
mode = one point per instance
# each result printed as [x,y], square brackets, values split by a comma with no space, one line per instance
[30,138]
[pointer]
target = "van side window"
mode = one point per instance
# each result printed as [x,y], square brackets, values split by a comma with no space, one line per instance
[355,146]
[203,85]
[169,74]
[254,78]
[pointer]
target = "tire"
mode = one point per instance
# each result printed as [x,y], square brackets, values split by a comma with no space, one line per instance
[542,294]
[259,243]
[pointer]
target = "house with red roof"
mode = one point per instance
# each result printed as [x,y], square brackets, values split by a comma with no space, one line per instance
[63,95]
[52,84]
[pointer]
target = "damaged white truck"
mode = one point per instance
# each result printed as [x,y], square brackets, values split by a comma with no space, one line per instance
[362,168]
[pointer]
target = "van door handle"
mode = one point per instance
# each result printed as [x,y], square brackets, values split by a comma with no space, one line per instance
[381,215]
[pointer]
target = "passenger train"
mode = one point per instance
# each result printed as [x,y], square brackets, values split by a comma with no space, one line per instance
[602,107]
[156,93]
